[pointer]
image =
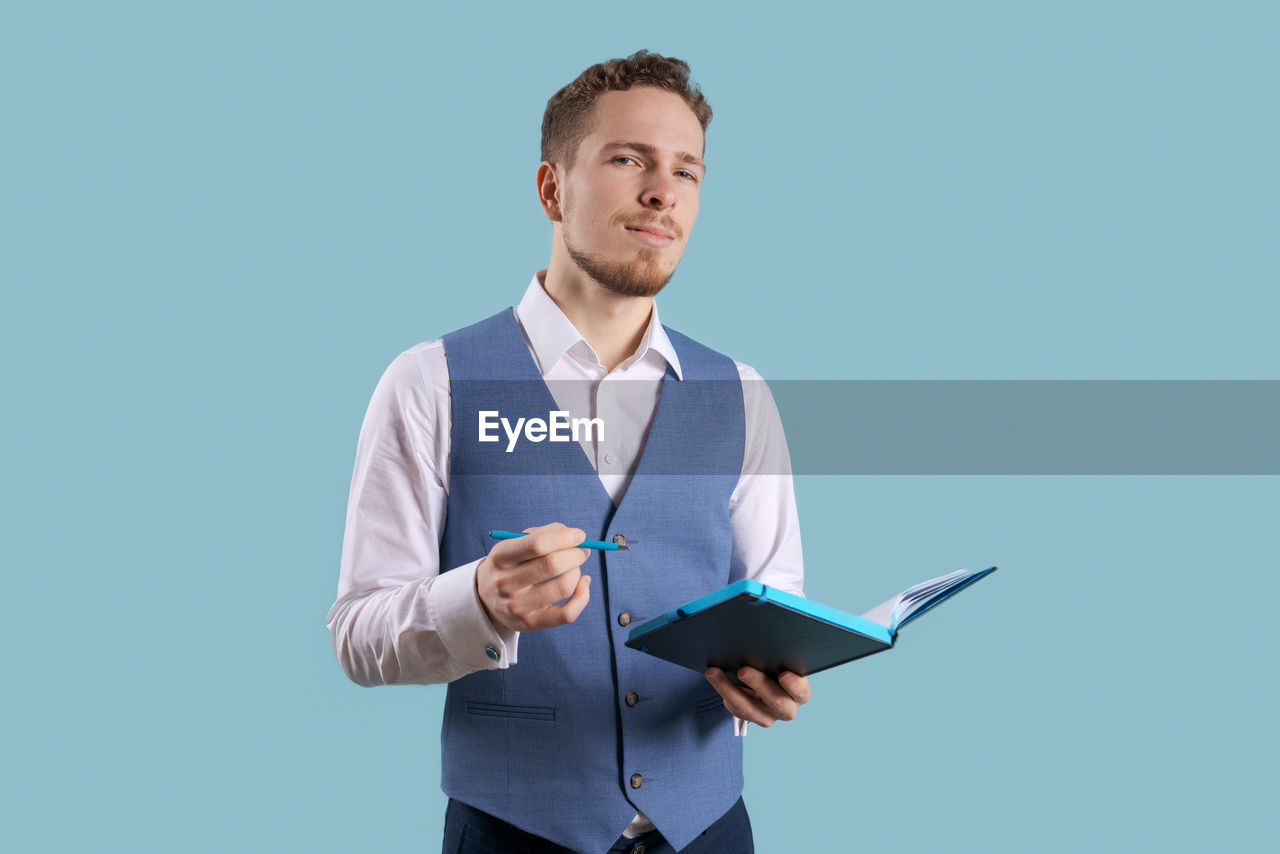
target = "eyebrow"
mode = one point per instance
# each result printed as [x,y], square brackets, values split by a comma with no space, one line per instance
[649,151]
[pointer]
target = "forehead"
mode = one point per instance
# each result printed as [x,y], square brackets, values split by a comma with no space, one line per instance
[644,114]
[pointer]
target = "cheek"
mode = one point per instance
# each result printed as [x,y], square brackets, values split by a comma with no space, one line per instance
[587,217]
[691,216]
[691,207]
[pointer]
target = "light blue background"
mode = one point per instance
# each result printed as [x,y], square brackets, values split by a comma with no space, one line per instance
[219,223]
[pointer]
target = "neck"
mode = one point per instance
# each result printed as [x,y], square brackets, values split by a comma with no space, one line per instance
[613,324]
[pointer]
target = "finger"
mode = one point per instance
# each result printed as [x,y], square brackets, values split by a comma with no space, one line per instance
[546,593]
[550,614]
[796,685]
[514,576]
[553,538]
[530,530]
[770,693]
[739,704]
[541,540]
[570,610]
[545,568]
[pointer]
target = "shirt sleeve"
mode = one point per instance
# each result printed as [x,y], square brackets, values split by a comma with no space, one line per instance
[762,509]
[397,618]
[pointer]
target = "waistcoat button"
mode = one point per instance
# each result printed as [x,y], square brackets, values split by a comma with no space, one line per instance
[636,780]
[632,698]
[619,539]
[624,619]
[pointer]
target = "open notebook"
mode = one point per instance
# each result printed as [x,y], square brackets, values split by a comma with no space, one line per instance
[753,624]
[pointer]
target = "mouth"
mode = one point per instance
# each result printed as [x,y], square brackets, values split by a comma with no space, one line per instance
[651,235]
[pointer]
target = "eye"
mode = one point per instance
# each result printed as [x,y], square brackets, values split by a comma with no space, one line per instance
[692,177]
[623,157]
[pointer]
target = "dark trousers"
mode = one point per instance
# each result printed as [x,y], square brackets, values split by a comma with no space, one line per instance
[467,830]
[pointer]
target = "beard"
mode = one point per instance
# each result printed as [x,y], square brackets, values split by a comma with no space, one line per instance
[642,276]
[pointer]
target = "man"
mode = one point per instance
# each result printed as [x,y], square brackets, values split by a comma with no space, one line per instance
[581,744]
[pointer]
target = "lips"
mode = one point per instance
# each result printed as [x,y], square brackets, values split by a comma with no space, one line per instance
[651,235]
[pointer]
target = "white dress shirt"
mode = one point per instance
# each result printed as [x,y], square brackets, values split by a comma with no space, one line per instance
[398,619]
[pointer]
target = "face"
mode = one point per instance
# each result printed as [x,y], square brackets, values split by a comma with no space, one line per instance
[631,197]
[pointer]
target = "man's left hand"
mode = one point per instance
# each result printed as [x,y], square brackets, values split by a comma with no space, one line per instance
[760,699]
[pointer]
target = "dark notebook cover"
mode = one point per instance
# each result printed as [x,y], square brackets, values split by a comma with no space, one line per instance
[753,624]
[749,623]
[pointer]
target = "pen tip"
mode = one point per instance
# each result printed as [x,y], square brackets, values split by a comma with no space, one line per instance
[623,549]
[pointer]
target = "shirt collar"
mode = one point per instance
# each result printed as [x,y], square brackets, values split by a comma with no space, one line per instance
[550,334]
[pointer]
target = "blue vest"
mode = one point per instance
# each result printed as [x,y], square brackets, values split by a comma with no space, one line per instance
[551,744]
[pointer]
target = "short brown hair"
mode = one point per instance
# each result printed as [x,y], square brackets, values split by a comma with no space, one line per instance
[568,116]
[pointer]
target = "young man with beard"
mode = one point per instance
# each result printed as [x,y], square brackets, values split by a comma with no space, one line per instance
[581,744]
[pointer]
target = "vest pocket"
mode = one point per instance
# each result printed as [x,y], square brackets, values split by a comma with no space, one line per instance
[501,710]
[709,704]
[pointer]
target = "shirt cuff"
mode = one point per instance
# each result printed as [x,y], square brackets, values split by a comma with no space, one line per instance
[463,627]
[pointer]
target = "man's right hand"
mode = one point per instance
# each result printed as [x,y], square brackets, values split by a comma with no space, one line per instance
[520,580]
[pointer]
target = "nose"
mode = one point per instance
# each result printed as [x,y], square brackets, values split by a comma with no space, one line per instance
[659,192]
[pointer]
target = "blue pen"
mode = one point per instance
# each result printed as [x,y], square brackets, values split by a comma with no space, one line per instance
[586,544]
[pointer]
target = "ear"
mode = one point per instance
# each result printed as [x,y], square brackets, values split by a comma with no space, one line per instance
[550,191]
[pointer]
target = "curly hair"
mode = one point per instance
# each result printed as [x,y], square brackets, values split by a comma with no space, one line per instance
[568,115]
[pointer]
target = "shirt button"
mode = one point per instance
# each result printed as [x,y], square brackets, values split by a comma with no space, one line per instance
[611,458]
[639,849]
[619,539]
[491,652]
[636,781]
[624,619]
[632,698]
